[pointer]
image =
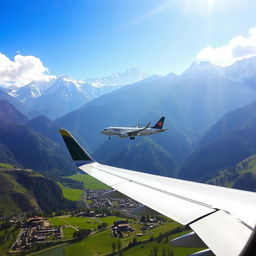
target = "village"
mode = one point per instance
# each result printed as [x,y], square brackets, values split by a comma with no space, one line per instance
[105,198]
[37,230]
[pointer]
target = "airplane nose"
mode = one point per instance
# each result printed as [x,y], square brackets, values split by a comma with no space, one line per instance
[103,132]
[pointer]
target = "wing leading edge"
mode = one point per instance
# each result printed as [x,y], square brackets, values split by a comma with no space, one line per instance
[223,218]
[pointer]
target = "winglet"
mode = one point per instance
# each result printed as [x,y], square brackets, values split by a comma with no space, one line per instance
[75,149]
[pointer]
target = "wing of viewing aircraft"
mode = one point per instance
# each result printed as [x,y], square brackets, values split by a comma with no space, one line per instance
[223,218]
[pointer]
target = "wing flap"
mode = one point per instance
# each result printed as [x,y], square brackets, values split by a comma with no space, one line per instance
[221,226]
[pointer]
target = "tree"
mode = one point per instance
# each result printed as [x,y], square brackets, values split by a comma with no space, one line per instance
[81,234]
[160,237]
[103,225]
[119,248]
[170,252]
[142,218]
[119,245]
[155,251]
[114,247]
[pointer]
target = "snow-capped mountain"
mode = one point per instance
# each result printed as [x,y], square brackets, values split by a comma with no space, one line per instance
[32,90]
[63,94]
[58,96]
[130,76]
[238,72]
[241,70]
[199,67]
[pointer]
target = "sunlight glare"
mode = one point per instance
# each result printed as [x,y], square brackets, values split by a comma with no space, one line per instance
[206,7]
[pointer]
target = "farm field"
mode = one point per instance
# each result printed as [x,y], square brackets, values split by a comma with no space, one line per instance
[88,181]
[162,246]
[101,242]
[68,233]
[83,222]
[71,193]
[97,244]
[76,222]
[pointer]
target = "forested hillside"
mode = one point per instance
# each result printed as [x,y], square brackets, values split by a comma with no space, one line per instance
[27,191]
[230,141]
[240,176]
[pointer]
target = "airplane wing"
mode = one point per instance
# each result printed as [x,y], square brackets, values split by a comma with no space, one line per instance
[136,132]
[223,218]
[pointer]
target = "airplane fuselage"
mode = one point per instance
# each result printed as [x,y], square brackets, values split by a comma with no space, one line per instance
[122,132]
[132,132]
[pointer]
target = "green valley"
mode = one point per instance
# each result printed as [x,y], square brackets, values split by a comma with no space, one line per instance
[137,241]
[88,181]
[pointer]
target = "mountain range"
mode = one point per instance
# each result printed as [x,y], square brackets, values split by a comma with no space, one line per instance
[58,96]
[130,76]
[23,145]
[62,94]
[231,140]
[198,105]
[191,102]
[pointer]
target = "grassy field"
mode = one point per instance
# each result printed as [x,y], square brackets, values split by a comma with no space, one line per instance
[88,181]
[110,219]
[83,222]
[100,243]
[77,222]
[146,248]
[71,193]
[97,244]
[68,233]
[5,166]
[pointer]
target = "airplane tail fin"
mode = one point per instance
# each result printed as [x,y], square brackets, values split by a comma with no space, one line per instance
[159,124]
[76,151]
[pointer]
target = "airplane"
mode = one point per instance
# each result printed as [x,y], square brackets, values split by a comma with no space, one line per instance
[223,219]
[125,132]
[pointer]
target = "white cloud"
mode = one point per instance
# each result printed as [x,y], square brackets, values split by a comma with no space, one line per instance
[22,70]
[240,47]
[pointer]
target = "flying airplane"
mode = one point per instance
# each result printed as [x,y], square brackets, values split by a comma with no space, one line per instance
[223,219]
[125,132]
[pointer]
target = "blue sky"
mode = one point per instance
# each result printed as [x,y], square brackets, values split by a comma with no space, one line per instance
[94,38]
